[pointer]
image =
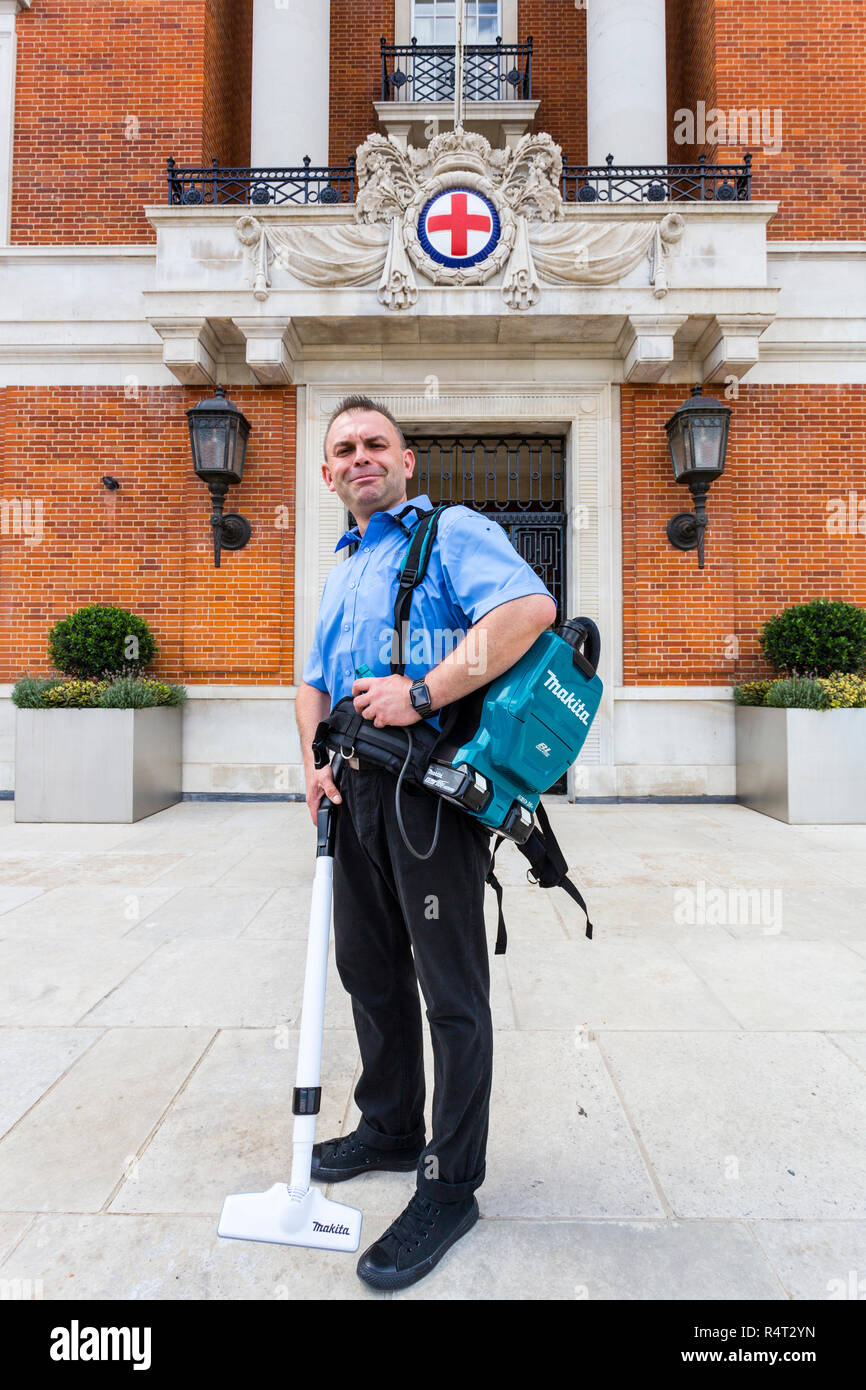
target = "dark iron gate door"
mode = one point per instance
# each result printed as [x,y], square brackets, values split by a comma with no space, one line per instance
[518,479]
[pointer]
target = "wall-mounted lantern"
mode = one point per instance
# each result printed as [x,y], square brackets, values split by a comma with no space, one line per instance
[218,433]
[698,438]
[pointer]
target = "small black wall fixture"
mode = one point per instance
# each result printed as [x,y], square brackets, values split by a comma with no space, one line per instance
[218,433]
[111,483]
[698,439]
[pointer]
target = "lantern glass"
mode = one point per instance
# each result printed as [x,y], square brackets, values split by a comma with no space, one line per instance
[698,438]
[218,434]
[708,439]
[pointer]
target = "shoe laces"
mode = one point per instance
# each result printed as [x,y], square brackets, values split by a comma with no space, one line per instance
[414,1224]
[339,1148]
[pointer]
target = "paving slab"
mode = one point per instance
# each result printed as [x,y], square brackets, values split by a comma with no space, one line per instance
[818,1260]
[254,984]
[70,1151]
[13,1224]
[853,1045]
[624,984]
[230,1129]
[198,913]
[775,983]
[587,1261]
[104,1256]
[31,1060]
[59,986]
[102,868]
[747,1126]
[12,897]
[83,912]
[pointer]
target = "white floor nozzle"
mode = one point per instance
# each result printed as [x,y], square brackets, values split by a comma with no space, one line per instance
[282,1219]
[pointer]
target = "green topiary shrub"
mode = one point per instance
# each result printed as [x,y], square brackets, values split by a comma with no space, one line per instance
[98,641]
[821,637]
[752,692]
[798,692]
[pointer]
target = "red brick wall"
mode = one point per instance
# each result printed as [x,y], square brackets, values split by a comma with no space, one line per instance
[792,450]
[808,58]
[356,71]
[691,64]
[558,30]
[106,90]
[803,58]
[148,546]
[228,71]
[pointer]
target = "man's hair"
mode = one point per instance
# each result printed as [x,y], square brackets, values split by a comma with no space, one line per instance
[358,402]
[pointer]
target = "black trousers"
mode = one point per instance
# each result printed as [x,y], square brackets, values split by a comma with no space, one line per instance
[400,922]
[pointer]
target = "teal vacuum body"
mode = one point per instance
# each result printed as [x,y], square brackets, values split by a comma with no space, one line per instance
[533,723]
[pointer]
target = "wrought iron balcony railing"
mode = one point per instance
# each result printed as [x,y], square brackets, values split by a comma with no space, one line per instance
[657,183]
[581,183]
[322,183]
[425,72]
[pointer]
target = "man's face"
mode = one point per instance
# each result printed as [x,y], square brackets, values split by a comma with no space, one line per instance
[366,466]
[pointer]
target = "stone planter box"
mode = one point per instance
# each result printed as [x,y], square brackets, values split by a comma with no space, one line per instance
[803,766]
[98,765]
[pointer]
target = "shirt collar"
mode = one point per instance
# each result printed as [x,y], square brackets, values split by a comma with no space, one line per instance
[353,535]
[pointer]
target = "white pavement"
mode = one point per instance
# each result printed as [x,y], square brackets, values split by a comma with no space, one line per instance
[678,1110]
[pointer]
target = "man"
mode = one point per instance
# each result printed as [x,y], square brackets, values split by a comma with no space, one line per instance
[400,920]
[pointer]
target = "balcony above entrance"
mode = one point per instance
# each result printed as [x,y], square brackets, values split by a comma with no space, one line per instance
[459,246]
[418,90]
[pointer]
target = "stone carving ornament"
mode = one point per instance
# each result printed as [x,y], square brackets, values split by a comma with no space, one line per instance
[535,241]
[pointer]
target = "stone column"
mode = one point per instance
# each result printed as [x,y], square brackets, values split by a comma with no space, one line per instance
[626,81]
[291,81]
[8,10]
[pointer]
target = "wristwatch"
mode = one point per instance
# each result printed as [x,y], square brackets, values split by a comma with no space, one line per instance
[420,697]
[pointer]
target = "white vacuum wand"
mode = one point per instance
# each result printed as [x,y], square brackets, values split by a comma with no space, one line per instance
[295,1213]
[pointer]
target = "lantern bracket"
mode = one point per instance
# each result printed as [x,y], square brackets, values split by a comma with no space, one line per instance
[687,530]
[231,531]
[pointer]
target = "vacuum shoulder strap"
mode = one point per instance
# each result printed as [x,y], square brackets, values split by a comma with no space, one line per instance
[412,571]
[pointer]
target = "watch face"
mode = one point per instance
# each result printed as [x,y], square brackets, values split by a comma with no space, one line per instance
[419,695]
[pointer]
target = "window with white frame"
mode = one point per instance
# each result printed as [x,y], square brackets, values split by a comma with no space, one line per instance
[434,22]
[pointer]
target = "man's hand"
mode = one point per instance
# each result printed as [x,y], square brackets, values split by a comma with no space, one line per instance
[385,700]
[319,783]
[311,707]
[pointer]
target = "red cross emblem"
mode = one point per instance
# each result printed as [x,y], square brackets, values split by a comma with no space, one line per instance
[459,225]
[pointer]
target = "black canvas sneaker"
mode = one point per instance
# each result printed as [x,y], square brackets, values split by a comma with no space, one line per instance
[415,1243]
[334,1160]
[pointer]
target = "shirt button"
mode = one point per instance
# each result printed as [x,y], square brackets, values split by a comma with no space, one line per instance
[345,627]
[352,585]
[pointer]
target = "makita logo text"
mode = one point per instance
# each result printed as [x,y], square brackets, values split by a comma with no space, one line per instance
[331,1230]
[568,697]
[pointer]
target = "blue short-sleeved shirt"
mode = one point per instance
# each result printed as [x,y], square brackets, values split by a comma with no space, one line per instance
[473,568]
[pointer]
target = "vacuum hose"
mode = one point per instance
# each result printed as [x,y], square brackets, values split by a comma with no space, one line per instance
[397,808]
